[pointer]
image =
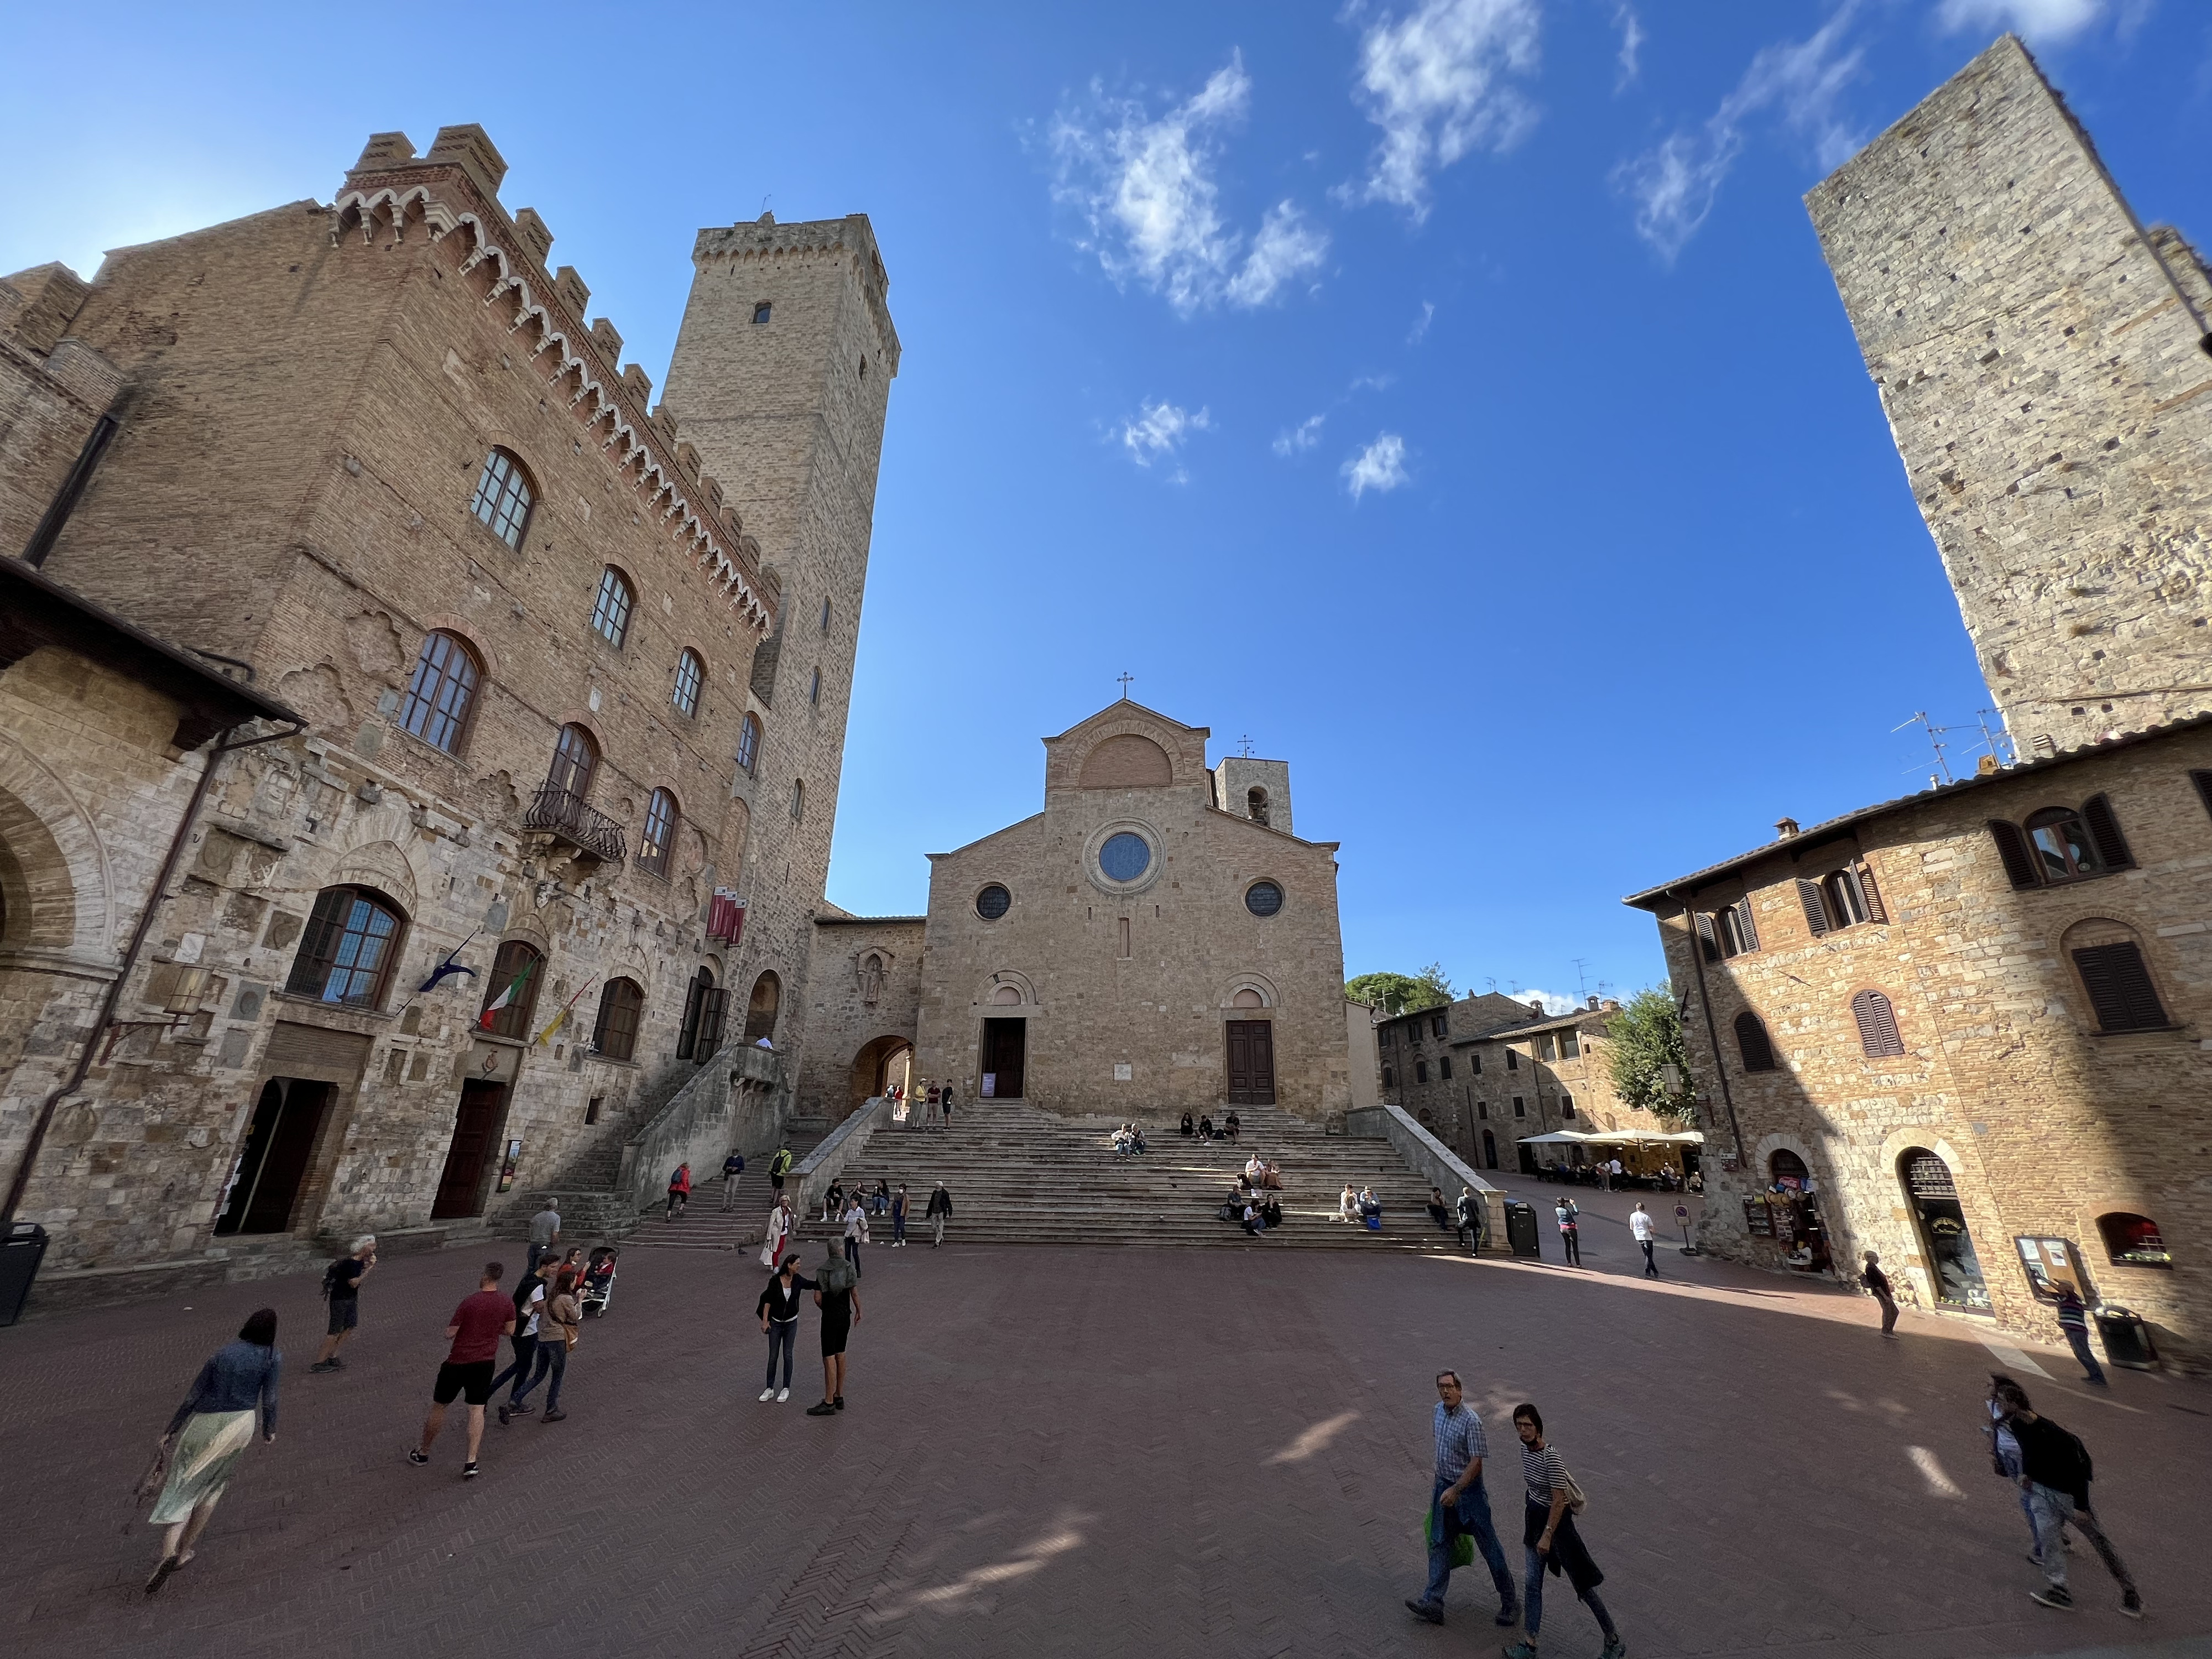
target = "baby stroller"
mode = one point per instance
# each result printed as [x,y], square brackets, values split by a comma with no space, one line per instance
[599,1280]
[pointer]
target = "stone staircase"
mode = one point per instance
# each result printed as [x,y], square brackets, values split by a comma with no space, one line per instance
[1020,1176]
[705,1225]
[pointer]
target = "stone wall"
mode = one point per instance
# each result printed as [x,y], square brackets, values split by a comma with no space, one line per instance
[2045,1122]
[2038,356]
[864,997]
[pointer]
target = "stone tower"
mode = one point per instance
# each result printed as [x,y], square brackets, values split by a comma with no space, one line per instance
[2040,357]
[1253,788]
[780,379]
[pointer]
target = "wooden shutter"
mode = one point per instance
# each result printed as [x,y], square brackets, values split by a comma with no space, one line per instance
[2203,782]
[1751,1039]
[1877,1022]
[2012,848]
[711,1005]
[2105,831]
[1705,937]
[1870,892]
[1748,929]
[1816,906]
[2119,988]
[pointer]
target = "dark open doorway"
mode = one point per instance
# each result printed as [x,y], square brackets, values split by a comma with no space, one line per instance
[1251,1062]
[1005,1047]
[474,1124]
[761,1010]
[264,1188]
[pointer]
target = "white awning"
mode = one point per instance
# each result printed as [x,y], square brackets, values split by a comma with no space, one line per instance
[1557,1137]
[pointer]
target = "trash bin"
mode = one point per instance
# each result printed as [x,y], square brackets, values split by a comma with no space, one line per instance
[2127,1338]
[1521,1228]
[19,1256]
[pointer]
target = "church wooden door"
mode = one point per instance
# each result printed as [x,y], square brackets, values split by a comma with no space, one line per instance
[1251,1063]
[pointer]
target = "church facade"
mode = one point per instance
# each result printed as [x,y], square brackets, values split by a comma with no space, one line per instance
[1155,940]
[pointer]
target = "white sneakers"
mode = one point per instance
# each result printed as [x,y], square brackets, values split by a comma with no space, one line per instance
[782,1395]
[767,1394]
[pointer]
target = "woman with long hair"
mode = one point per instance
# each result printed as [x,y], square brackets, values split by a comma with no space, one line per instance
[210,1432]
[1548,1529]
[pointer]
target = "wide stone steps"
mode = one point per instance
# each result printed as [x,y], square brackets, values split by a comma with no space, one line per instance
[705,1225]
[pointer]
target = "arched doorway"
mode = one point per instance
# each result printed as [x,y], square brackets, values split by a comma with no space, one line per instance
[1797,1211]
[1932,1197]
[759,1012]
[881,1064]
[1489,1149]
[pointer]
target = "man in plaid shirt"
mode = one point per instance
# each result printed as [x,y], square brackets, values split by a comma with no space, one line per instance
[1459,1505]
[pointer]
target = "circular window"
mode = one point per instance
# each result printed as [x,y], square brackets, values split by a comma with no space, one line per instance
[1263,898]
[993,902]
[1125,857]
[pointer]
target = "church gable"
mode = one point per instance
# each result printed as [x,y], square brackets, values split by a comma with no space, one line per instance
[1126,760]
[1125,747]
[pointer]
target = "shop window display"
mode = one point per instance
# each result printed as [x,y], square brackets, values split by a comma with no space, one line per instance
[1949,1247]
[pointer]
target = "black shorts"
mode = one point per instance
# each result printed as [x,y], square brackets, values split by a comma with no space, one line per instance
[778,1181]
[472,1381]
[833,1337]
[345,1314]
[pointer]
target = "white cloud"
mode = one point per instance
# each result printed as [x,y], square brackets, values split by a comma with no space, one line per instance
[2040,20]
[1300,438]
[1421,328]
[1553,1001]
[1147,191]
[1381,466]
[1157,433]
[1631,45]
[1674,184]
[1438,82]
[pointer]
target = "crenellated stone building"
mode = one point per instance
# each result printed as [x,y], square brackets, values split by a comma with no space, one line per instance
[545,682]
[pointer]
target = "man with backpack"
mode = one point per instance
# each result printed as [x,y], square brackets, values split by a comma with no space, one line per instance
[341,1289]
[778,1167]
[2055,1473]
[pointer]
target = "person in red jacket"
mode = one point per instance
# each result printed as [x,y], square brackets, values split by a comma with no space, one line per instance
[679,1191]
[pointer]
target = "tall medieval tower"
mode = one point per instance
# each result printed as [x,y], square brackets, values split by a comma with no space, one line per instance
[2041,358]
[781,377]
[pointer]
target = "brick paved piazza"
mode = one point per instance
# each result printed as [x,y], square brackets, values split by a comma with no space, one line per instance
[1206,1452]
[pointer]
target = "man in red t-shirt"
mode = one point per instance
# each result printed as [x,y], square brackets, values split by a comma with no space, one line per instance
[478,1324]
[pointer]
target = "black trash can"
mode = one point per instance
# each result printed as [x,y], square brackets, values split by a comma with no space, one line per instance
[1521,1228]
[2127,1338]
[21,1253]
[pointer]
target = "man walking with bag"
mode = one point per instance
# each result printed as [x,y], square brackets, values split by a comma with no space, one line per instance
[1460,1507]
[938,1212]
[2055,1473]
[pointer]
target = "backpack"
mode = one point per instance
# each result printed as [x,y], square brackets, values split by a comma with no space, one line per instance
[335,1275]
[836,1275]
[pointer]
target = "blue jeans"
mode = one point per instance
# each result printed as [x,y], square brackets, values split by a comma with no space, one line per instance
[781,1335]
[2078,1339]
[553,1356]
[1472,1517]
[524,1347]
[898,1227]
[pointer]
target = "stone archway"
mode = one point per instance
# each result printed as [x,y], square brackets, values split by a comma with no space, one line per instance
[880,1063]
[761,1009]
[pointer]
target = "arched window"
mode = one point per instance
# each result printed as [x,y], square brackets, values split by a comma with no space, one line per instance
[1751,1041]
[575,758]
[347,952]
[2133,1241]
[610,615]
[1489,1149]
[1421,1071]
[614,1035]
[1255,803]
[511,997]
[660,839]
[1877,1022]
[1843,898]
[1006,996]
[814,692]
[1785,1167]
[2064,851]
[442,692]
[662,815]
[2115,978]
[1388,1081]
[700,1033]
[798,801]
[1443,1068]
[761,1010]
[503,498]
[749,737]
[763,311]
[825,616]
[690,672]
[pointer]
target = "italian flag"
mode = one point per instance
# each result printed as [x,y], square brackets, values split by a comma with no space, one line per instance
[506,997]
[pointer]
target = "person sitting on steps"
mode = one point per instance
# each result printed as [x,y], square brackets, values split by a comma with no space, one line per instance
[1205,1128]
[1230,1125]
[1347,1204]
[1187,1126]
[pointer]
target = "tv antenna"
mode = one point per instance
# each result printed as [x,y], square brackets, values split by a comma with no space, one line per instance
[1582,980]
[1934,738]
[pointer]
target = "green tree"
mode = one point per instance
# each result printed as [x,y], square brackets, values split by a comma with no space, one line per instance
[1647,1037]
[1402,993]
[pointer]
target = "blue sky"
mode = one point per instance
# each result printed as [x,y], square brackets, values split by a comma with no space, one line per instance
[1447,394]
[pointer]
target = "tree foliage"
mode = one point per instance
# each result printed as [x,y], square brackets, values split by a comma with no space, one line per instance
[1647,1036]
[1402,993]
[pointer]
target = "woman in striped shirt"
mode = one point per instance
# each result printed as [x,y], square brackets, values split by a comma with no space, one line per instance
[1548,1529]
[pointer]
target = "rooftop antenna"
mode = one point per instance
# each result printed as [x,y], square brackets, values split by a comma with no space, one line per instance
[1493,984]
[1999,742]
[1581,978]
[1935,740]
[1125,676]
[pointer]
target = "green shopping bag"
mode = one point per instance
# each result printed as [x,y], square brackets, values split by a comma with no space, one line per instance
[1462,1546]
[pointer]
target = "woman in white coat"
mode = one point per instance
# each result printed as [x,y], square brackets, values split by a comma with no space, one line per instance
[781,1224]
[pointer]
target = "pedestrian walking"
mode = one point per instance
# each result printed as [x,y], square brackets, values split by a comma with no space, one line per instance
[938,1212]
[209,1433]
[2055,1473]
[944,1104]
[560,1322]
[1877,1286]
[476,1328]
[1640,1224]
[1458,1506]
[1471,1219]
[856,1230]
[778,1167]
[545,1233]
[2074,1326]
[529,1300]
[2004,1456]
[779,1318]
[341,1289]
[781,1224]
[1548,1527]
[837,1293]
[898,1217]
[1571,1232]
[733,1167]
[679,1191]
